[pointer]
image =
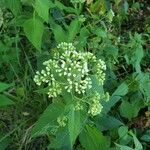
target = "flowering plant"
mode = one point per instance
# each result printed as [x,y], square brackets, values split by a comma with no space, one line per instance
[73,73]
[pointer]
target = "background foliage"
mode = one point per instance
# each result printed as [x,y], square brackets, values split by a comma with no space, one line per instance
[117,31]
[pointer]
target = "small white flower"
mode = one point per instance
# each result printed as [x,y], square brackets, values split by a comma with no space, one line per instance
[62,121]
[65,73]
[60,74]
[74,75]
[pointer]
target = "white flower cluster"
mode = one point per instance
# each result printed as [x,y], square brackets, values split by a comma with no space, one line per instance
[78,106]
[70,70]
[95,107]
[62,121]
[99,68]
[66,46]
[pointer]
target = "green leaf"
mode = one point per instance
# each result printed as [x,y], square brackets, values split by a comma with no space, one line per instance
[66,136]
[59,34]
[47,119]
[4,101]
[4,86]
[61,6]
[122,131]
[122,147]
[42,8]
[107,122]
[73,29]
[14,6]
[76,122]
[33,29]
[62,140]
[128,110]
[121,91]
[138,145]
[92,139]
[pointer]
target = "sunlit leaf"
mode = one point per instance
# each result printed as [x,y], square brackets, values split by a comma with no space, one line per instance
[33,29]
[42,8]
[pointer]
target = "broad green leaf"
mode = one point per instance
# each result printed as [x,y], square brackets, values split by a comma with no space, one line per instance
[42,8]
[128,110]
[61,6]
[107,122]
[122,131]
[121,91]
[92,139]
[14,6]
[4,86]
[122,147]
[67,135]
[62,140]
[138,145]
[73,30]
[76,122]
[4,101]
[33,29]
[47,119]
[59,34]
